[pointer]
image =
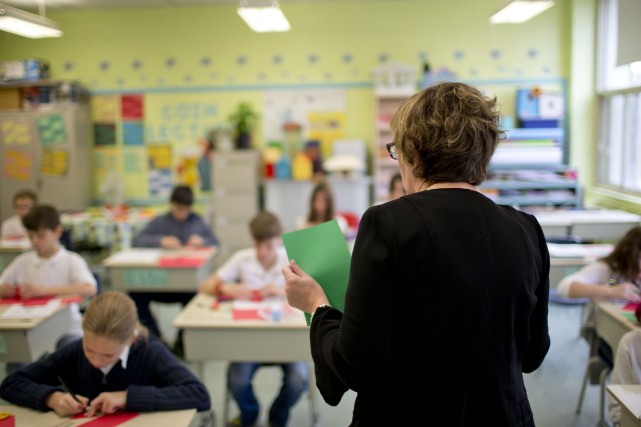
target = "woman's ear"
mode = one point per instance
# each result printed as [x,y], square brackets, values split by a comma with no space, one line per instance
[134,336]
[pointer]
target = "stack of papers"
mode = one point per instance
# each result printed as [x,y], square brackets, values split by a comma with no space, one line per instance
[20,311]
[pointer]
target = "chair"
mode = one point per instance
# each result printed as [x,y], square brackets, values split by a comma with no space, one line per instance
[597,370]
[314,415]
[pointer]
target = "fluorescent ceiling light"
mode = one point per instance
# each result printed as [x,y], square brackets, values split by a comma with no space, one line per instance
[27,24]
[518,11]
[263,16]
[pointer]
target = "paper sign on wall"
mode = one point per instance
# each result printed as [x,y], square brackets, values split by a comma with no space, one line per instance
[104,108]
[52,129]
[133,133]
[55,162]
[17,165]
[104,133]
[132,106]
[15,131]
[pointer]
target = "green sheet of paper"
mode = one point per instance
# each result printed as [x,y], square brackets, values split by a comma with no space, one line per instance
[321,251]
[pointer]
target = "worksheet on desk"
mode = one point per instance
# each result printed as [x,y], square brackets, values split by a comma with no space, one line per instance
[20,311]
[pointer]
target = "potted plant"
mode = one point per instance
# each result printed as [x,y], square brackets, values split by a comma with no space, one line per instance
[243,120]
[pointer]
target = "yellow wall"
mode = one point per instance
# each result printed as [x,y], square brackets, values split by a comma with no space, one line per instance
[206,53]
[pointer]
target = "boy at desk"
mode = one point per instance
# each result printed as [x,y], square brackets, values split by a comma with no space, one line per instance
[249,273]
[12,228]
[49,269]
[178,228]
[114,366]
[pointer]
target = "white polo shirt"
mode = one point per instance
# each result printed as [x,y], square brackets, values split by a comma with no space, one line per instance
[12,228]
[63,268]
[244,266]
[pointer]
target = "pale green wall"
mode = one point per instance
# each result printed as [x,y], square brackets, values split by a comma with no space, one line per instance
[347,39]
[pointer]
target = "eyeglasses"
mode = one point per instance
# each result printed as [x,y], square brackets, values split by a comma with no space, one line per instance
[391,149]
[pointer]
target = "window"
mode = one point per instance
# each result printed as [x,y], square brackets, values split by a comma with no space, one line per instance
[619,91]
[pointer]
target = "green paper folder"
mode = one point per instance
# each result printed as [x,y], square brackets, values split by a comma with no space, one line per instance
[321,251]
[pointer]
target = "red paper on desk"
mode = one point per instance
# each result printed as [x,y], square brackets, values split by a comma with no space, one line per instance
[180,262]
[107,420]
[631,306]
[39,300]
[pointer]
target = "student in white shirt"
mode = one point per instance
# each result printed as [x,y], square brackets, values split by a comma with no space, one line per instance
[256,272]
[23,202]
[321,209]
[627,369]
[49,269]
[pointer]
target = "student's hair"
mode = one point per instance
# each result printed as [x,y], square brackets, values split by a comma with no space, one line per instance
[265,225]
[182,195]
[323,189]
[624,258]
[25,194]
[41,216]
[113,315]
[447,133]
[392,182]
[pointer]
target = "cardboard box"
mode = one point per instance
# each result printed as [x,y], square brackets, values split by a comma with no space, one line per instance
[10,99]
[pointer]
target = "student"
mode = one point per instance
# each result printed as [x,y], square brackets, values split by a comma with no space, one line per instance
[177,228]
[627,369]
[249,272]
[396,189]
[447,300]
[23,202]
[49,269]
[321,209]
[114,366]
[180,227]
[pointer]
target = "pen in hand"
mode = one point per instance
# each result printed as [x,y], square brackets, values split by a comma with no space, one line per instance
[68,390]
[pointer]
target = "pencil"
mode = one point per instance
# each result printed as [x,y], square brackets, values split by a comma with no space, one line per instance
[68,390]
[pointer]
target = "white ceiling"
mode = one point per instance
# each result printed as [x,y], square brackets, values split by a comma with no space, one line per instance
[32,5]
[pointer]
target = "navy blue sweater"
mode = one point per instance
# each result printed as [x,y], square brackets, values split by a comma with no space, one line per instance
[166,225]
[154,379]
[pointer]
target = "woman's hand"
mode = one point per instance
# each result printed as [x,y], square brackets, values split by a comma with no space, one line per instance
[107,403]
[65,405]
[626,291]
[303,292]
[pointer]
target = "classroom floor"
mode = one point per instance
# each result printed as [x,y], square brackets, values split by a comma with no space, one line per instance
[553,389]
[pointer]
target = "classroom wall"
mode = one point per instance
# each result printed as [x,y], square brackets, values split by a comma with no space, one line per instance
[204,59]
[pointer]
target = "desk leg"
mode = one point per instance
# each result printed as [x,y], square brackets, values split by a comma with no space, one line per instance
[313,412]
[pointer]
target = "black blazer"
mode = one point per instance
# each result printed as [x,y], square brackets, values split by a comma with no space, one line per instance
[447,295]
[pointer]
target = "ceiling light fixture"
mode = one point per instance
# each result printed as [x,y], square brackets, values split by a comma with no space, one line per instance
[27,24]
[263,16]
[518,11]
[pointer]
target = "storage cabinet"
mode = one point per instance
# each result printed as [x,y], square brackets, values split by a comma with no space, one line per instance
[383,166]
[235,197]
[46,150]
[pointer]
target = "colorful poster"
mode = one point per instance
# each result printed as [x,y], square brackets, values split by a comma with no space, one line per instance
[52,129]
[104,108]
[105,160]
[160,182]
[15,131]
[17,165]
[55,162]
[326,127]
[104,133]
[132,107]
[133,133]
[133,161]
[134,167]
[159,156]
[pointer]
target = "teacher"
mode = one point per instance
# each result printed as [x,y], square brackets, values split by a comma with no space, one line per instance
[447,299]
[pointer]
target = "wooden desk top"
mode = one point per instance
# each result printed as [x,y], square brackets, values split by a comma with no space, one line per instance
[588,216]
[15,246]
[199,314]
[30,418]
[25,324]
[613,309]
[629,396]
[151,257]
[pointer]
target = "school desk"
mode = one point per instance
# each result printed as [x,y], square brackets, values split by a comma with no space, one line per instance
[159,270]
[210,332]
[9,249]
[26,417]
[589,224]
[26,340]
[629,396]
[611,324]
[566,259]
